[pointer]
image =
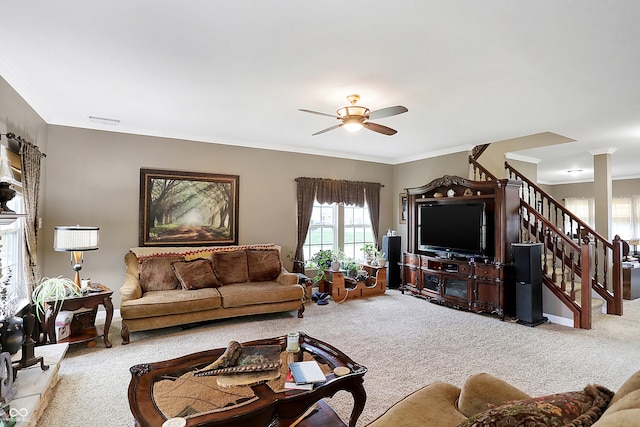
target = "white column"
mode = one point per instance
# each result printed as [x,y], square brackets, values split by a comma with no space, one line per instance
[602,190]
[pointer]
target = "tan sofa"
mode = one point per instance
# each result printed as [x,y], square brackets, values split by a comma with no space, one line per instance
[485,400]
[170,286]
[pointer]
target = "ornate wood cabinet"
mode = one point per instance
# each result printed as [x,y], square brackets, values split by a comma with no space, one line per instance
[480,282]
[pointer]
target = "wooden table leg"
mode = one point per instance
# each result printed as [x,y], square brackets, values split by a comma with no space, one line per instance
[108,306]
[359,399]
[49,323]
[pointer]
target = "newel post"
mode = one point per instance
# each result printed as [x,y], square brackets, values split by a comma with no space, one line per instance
[585,288]
[616,277]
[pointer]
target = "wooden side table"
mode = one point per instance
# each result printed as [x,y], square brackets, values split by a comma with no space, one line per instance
[83,328]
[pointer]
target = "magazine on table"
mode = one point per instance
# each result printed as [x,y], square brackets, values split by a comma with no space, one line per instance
[307,372]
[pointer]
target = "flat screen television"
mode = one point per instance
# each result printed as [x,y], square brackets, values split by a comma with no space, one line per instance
[456,228]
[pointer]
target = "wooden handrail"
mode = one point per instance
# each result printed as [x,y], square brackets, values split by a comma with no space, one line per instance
[609,254]
[478,150]
[563,248]
[577,249]
[480,173]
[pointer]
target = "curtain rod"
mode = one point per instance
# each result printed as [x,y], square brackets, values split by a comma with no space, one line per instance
[332,179]
[11,135]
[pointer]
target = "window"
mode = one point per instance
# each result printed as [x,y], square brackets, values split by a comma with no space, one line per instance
[625,214]
[11,257]
[625,217]
[583,209]
[338,227]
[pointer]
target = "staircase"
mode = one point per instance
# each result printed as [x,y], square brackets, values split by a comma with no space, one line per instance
[573,253]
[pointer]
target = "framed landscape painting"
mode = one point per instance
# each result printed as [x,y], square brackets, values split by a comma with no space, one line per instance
[188,208]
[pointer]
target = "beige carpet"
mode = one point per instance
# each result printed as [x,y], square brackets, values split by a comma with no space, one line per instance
[405,342]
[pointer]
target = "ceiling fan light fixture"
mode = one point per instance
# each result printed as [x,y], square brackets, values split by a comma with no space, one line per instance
[353,110]
[352,124]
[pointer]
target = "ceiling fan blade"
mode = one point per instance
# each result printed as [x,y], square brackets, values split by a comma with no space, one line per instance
[379,128]
[328,129]
[386,112]
[318,112]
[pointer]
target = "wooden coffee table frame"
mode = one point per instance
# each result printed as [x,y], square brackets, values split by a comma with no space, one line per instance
[270,408]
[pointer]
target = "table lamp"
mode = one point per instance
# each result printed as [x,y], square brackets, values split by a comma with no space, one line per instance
[634,242]
[75,239]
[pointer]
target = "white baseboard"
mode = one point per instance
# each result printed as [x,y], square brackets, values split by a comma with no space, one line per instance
[101,315]
[559,320]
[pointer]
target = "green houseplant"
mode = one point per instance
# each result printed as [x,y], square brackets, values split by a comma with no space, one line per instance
[369,250]
[52,290]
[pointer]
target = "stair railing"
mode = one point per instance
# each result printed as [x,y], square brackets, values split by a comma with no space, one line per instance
[563,260]
[479,172]
[605,266]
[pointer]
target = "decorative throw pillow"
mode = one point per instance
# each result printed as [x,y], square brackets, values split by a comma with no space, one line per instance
[264,264]
[576,408]
[195,274]
[231,267]
[156,274]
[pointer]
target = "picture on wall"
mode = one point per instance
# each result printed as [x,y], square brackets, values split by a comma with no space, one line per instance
[188,208]
[403,208]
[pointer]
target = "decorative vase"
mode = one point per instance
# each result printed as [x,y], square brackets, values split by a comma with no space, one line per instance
[382,262]
[335,266]
[6,194]
[11,334]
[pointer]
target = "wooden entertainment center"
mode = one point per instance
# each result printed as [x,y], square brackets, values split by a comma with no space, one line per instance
[464,261]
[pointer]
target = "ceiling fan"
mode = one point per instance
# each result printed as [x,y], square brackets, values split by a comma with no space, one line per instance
[355,117]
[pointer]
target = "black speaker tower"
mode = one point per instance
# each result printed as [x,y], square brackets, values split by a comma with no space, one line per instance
[391,247]
[528,274]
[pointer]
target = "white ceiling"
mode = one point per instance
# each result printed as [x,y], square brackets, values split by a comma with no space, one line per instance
[470,72]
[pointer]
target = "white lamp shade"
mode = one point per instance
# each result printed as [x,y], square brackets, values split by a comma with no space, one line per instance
[75,238]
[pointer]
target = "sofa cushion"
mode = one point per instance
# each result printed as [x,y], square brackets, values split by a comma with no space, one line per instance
[176,301]
[483,391]
[581,408]
[263,264]
[156,274]
[231,267]
[250,293]
[196,274]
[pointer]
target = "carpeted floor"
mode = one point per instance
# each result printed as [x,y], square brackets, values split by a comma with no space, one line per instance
[405,343]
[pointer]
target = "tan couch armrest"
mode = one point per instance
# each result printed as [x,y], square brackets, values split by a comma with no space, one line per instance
[286,278]
[130,289]
[484,391]
[433,406]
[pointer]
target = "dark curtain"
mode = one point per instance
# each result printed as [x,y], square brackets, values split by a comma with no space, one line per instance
[306,194]
[333,191]
[372,196]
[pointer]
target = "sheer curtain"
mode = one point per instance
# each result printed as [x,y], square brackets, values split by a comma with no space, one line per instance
[583,208]
[625,217]
[625,214]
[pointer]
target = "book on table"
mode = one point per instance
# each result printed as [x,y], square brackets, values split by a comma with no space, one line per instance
[307,372]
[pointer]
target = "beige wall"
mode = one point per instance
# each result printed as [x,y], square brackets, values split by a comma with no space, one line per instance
[93,179]
[620,188]
[493,157]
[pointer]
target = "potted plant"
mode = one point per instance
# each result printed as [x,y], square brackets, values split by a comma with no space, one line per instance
[52,290]
[324,259]
[369,250]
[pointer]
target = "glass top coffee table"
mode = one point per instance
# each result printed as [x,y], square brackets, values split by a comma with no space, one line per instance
[169,389]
